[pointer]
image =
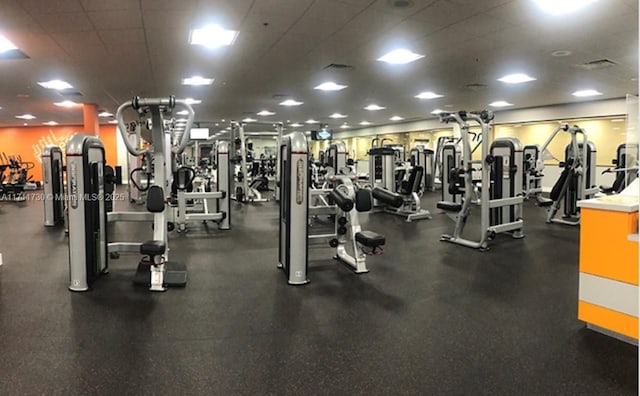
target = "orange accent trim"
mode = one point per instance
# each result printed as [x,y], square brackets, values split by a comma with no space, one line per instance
[608,319]
[604,248]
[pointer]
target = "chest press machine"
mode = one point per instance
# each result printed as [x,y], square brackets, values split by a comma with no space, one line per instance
[88,218]
[500,200]
[352,244]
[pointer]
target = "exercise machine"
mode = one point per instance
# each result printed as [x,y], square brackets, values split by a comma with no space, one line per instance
[500,191]
[212,205]
[88,217]
[352,244]
[577,180]
[449,159]
[423,157]
[532,180]
[53,185]
[626,168]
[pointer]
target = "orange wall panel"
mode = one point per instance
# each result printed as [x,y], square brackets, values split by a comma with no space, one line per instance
[28,142]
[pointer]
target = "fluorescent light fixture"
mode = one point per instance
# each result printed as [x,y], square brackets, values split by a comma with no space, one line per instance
[559,7]
[192,101]
[26,116]
[296,125]
[50,123]
[614,120]
[396,118]
[500,103]
[66,103]
[437,111]
[400,56]
[365,123]
[55,84]
[6,45]
[337,115]
[112,121]
[182,112]
[264,113]
[374,107]
[428,95]
[516,78]
[290,102]
[249,119]
[105,114]
[330,86]
[197,80]
[212,36]
[312,121]
[344,126]
[586,92]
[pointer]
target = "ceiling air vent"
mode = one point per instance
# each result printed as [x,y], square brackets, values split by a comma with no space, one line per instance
[475,86]
[71,94]
[338,66]
[597,64]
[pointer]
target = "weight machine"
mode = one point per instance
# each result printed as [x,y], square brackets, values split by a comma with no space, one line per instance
[577,180]
[626,168]
[423,157]
[352,244]
[500,200]
[88,218]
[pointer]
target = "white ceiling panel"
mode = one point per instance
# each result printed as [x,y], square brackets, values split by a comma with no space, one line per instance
[111,5]
[51,6]
[119,19]
[64,22]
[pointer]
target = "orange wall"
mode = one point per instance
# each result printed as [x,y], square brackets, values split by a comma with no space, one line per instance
[29,141]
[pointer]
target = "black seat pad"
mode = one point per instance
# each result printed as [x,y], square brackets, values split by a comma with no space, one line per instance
[370,239]
[450,206]
[152,248]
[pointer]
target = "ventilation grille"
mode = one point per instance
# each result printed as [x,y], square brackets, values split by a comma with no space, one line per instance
[597,64]
[476,86]
[338,66]
[71,94]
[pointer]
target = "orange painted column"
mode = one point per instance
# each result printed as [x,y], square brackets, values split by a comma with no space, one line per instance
[91,121]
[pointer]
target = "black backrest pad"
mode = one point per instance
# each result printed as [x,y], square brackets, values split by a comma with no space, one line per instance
[415,178]
[155,199]
[363,200]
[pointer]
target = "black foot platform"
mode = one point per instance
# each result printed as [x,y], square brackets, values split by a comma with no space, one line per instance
[175,274]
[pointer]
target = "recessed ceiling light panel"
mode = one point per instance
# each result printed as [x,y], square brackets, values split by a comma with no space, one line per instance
[55,84]
[26,117]
[517,78]
[559,7]
[249,119]
[105,114]
[197,81]
[67,103]
[396,118]
[330,86]
[437,111]
[6,45]
[365,123]
[400,56]
[374,107]
[291,102]
[337,115]
[500,103]
[586,93]
[428,95]
[312,121]
[50,123]
[265,113]
[296,125]
[212,36]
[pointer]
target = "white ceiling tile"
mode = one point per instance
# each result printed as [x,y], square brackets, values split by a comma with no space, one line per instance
[111,5]
[168,4]
[66,22]
[81,45]
[121,19]
[51,6]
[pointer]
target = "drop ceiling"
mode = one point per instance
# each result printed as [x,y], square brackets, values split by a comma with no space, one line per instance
[112,50]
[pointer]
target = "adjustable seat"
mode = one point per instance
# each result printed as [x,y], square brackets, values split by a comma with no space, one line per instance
[370,239]
[155,204]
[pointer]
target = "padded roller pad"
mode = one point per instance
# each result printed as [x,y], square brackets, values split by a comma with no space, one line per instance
[152,248]
[449,206]
[370,239]
[388,197]
[342,199]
